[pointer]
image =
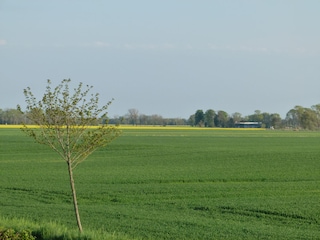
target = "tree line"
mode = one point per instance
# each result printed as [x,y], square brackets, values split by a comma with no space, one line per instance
[222,119]
[296,118]
[133,117]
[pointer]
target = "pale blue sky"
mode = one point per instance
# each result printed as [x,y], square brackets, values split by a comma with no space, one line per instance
[168,57]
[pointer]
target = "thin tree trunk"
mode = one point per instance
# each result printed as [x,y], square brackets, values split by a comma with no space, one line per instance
[74,196]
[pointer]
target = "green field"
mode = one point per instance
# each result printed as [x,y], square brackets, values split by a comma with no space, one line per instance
[173,184]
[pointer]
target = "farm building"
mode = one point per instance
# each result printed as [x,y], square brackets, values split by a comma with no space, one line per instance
[248,124]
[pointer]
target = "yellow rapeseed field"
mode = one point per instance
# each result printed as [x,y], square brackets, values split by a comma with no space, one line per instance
[12,126]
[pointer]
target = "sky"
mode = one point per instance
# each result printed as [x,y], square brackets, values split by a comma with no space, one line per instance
[168,57]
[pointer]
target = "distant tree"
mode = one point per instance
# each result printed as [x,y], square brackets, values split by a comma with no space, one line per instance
[143,119]
[116,120]
[3,117]
[275,120]
[199,118]
[299,112]
[292,118]
[237,117]
[300,117]
[63,119]
[316,109]
[133,116]
[266,120]
[221,119]
[14,116]
[256,117]
[191,120]
[309,119]
[231,122]
[11,116]
[209,118]
[156,119]
[177,121]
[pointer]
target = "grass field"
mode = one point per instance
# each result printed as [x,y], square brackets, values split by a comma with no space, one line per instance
[173,184]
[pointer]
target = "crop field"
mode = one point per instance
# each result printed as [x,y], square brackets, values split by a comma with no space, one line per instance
[173,184]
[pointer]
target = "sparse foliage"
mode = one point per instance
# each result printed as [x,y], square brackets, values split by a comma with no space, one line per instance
[71,124]
[133,115]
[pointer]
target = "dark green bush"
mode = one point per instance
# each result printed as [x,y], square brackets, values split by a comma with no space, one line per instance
[11,234]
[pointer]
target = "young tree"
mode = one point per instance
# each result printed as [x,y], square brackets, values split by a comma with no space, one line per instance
[69,123]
